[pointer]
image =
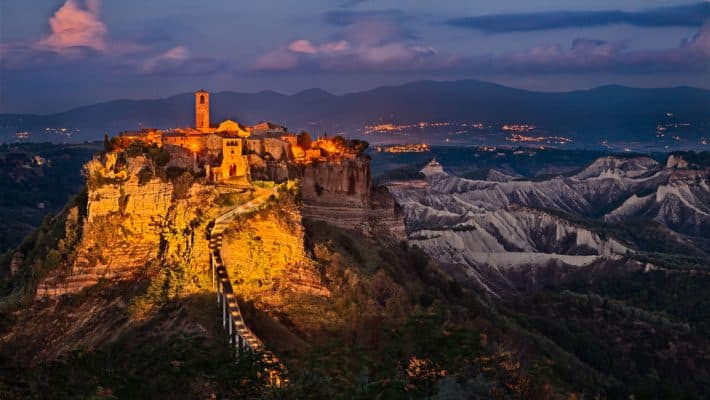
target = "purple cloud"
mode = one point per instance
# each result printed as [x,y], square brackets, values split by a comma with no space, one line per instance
[366,41]
[693,15]
[178,61]
[352,3]
[349,17]
[78,35]
[344,56]
[588,55]
[371,53]
[74,26]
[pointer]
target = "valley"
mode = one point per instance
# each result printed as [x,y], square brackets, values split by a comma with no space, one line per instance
[354,200]
[516,260]
[445,113]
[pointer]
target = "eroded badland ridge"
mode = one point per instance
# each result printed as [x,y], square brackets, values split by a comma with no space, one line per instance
[230,261]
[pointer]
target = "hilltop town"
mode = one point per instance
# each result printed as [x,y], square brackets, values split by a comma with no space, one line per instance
[232,153]
[151,179]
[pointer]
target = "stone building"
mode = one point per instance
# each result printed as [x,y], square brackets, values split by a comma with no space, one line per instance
[268,129]
[232,153]
[193,141]
[202,110]
[234,165]
[148,136]
[234,128]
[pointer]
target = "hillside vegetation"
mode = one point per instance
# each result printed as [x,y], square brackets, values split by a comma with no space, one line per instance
[120,303]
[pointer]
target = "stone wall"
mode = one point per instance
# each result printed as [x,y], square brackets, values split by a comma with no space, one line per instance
[275,149]
[267,170]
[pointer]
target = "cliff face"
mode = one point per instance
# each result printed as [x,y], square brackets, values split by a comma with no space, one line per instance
[265,255]
[336,191]
[130,223]
[143,206]
[267,170]
[276,149]
[341,182]
[137,218]
[339,193]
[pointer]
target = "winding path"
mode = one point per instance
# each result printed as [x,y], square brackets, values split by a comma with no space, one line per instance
[239,333]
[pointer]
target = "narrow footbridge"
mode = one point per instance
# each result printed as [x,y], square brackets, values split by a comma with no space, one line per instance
[240,335]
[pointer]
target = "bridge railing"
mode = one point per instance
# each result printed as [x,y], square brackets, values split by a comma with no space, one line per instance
[232,321]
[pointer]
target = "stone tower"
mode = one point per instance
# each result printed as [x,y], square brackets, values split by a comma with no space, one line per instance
[202,110]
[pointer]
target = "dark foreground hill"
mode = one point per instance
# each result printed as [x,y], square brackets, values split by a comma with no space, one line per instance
[357,315]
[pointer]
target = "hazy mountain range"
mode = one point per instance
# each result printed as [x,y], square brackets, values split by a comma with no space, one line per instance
[614,111]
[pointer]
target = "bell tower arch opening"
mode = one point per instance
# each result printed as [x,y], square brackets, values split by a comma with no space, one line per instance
[202,110]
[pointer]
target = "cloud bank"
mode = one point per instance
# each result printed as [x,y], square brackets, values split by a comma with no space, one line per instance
[373,41]
[691,15]
[349,17]
[77,34]
[377,53]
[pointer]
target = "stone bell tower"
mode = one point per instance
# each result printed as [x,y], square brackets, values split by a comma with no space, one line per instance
[202,110]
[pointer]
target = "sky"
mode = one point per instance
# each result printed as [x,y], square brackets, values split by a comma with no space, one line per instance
[60,54]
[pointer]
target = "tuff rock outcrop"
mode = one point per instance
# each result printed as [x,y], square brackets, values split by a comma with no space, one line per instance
[129,224]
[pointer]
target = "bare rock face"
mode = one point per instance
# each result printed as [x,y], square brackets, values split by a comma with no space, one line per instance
[266,254]
[339,182]
[336,191]
[676,161]
[382,218]
[277,149]
[128,226]
[339,194]
[121,235]
[144,206]
[274,149]
[267,170]
[179,157]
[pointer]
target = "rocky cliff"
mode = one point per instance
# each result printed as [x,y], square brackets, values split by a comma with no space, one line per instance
[265,255]
[137,216]
[337,182]
[132,221]
[339,193]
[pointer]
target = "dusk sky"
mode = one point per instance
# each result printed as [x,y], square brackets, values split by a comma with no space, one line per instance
[59,54]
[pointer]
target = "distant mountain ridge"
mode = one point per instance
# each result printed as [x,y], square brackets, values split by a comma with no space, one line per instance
[607,108]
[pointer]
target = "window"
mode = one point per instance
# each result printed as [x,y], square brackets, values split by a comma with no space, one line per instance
[202,99]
